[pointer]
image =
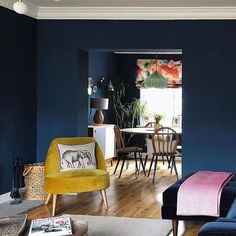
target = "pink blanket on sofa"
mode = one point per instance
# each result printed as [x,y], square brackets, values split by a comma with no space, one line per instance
[200,193]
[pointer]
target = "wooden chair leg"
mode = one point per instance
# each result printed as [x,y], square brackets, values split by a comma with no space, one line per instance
[117,164]
[155,168]
[175,168]
[122,166]
[48,199]
[127,164]
[104,198]
[145,161]
[151,165]
[175,227]
[171,167]
[143,165]
[54,203]
[136,173]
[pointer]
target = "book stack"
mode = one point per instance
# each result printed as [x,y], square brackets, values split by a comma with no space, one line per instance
[58,226]
[52,226]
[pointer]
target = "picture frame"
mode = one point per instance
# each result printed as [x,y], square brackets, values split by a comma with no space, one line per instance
[176,121]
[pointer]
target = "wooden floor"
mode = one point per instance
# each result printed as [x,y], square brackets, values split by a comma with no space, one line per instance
[127,196]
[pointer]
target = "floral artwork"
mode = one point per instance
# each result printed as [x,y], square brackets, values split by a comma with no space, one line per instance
[170,69]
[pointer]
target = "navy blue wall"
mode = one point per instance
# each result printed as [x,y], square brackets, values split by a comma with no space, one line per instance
[208,91]
[18,92]
[101,64]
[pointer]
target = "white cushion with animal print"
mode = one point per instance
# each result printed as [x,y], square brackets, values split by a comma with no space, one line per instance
[80,156]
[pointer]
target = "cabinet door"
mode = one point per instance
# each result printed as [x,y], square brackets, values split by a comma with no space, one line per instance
[110,142]
[100,135]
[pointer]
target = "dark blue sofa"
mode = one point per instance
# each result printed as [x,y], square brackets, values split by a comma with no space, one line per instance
[222,226]
[169,206]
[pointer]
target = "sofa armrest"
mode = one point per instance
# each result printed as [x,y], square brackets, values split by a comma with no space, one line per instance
[232,211]
[218,229]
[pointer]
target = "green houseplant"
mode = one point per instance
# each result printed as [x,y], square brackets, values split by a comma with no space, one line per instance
[127,114]
[158,118]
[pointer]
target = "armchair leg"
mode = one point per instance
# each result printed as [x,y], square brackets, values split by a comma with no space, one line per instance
[48,199]
[54,202]
[104,198]
[175,227]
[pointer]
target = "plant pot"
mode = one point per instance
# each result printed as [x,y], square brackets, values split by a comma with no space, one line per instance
[157,126]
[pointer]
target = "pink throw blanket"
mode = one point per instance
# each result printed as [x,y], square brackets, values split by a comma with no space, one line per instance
[200,193]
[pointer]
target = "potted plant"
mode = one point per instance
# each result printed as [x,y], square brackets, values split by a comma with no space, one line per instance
[157,118]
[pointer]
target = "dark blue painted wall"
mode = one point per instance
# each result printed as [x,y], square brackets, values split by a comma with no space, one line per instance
[18,92]
[101,64]
[208,91]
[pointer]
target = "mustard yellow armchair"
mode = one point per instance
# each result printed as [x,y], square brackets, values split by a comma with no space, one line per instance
[74,181]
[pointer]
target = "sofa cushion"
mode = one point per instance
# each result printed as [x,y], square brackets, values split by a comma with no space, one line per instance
[218,229]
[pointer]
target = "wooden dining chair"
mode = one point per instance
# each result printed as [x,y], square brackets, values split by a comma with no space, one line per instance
[127,153]
[164,143]
[149,144]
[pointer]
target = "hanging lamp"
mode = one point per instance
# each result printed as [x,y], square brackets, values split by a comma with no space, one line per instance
[155,80]
[20,7]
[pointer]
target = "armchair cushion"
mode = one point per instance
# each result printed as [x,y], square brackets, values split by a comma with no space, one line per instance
[76,181]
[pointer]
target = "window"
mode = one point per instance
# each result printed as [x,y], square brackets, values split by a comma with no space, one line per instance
[167,102]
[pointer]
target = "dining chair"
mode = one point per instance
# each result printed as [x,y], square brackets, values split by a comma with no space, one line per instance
[126,153]
[164,142]
[149,144]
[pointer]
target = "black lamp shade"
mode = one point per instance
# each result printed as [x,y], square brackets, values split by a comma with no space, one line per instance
[99,103]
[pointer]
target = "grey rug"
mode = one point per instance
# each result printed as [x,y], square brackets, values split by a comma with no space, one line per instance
[124,226]
[11,210]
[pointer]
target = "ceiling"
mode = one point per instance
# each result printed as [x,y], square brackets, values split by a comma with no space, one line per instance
[133,3]
[129,9]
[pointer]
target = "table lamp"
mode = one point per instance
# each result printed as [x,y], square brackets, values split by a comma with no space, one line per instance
[99,104]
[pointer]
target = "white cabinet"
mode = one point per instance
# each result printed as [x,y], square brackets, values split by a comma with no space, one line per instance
[104,134]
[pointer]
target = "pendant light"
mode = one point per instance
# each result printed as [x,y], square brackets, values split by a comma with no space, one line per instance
[20,7]
[155,80]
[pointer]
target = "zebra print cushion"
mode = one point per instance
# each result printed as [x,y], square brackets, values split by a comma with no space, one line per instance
[80,156]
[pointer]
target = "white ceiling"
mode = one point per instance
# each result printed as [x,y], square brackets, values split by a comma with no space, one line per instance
[129,9]
[133,3]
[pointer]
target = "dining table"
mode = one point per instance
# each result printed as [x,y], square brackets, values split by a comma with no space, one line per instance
[146,131]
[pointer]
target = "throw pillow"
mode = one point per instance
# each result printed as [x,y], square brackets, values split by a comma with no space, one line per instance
[80,156]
